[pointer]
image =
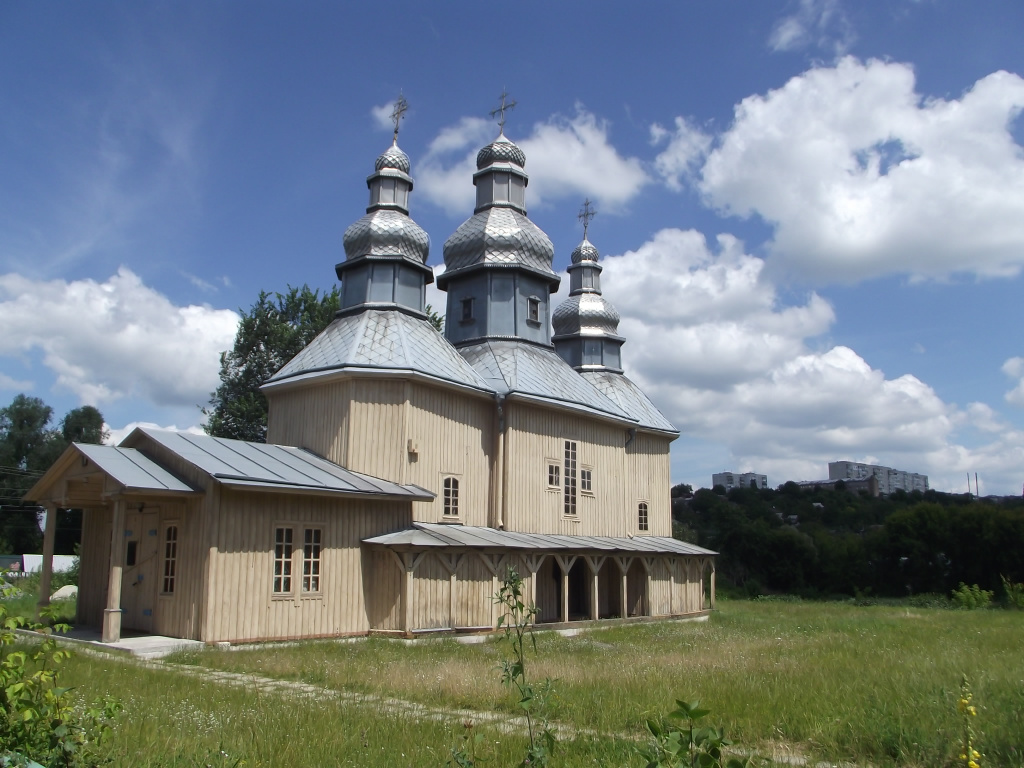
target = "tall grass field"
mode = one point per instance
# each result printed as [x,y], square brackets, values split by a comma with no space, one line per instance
[874,685]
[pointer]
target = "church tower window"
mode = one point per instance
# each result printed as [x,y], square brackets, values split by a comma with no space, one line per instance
[641,523]
[467,310]
[451,497]
[569,494]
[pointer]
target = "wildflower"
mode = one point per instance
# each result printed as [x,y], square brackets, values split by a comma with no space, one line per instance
[971,764]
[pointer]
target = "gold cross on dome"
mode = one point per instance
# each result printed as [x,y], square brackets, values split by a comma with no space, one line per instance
[398,113]
[585,215]
[505,105]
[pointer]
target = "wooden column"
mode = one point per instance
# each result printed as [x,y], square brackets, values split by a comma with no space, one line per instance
[409,562]
[534,563]
[670,563]
[594,562]
[112,613]
[712,586]
[624,563]
[648,563]
[565,564]
[45,577]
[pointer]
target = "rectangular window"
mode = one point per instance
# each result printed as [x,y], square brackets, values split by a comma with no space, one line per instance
[170,558]
[451,497]
[554,475]
[467,310]
[311,560]
[641,522]
[533,309]
[586,480]
[131,554]
[569,495]
[282,561]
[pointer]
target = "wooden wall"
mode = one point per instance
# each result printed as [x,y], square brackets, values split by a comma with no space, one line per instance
[366,425]
[622,476]
[242,605]
[94,565]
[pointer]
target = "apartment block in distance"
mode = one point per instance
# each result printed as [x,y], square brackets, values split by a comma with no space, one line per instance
[889,479]
[737,480]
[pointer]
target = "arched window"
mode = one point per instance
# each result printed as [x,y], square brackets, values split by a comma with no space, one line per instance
[451,497]
[641,522]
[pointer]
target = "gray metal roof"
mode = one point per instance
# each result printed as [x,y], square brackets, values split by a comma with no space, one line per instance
[265,466]
[514,367]
[439,536]
[388,340]
[631,399]
[132,470]
[500,236]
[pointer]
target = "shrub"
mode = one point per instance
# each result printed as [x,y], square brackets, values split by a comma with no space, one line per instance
[971,597]
[37,720]
[1014,593]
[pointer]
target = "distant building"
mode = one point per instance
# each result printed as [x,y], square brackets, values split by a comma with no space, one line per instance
[737,480]
[869,484]
[889,479]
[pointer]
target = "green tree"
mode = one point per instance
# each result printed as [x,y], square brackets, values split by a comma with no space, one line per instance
[84,425]
[28,447]
[271,333]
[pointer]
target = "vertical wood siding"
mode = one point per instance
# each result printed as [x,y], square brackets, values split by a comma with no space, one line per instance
[94,565]
[622,477]
[242,604]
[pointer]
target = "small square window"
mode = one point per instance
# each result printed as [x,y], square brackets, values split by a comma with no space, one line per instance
[554,475]
[467,310]
[533,309]
[586,480]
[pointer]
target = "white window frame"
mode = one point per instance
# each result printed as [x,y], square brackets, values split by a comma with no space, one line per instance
[586,480]
[450,491]
[554,474]
[643,516]
[294,575]
[170,557]
[570,479]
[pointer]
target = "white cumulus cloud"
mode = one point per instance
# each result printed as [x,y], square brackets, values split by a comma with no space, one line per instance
[731,364]
[1014,368]
[115,339]
[861,176]
[815,23]
[565,157]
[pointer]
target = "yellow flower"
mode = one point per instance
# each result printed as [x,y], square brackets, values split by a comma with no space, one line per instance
[972,764]
[972,710]
[975,754]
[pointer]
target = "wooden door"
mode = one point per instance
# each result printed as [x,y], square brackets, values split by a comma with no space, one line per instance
[141,569]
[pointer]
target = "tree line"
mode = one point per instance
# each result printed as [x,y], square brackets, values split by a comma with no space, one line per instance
[29,443]
[818,541]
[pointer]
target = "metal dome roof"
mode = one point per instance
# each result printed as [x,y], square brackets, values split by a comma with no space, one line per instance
[499,236]
[501,150]
[386,232]
[393,157]
[585,251]
[586,314]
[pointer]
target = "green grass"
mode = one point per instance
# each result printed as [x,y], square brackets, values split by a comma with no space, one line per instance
[871,684]
[171,720]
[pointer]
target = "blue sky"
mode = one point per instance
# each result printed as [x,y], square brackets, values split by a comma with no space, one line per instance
[811,213]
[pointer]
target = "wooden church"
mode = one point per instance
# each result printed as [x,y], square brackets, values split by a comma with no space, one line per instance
[405,470]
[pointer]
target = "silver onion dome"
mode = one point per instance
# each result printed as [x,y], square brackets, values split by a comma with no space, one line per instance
[586,314]
[501,150]
[585,251]
[393,157]
[499,236]
[386,229]
[386,232]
